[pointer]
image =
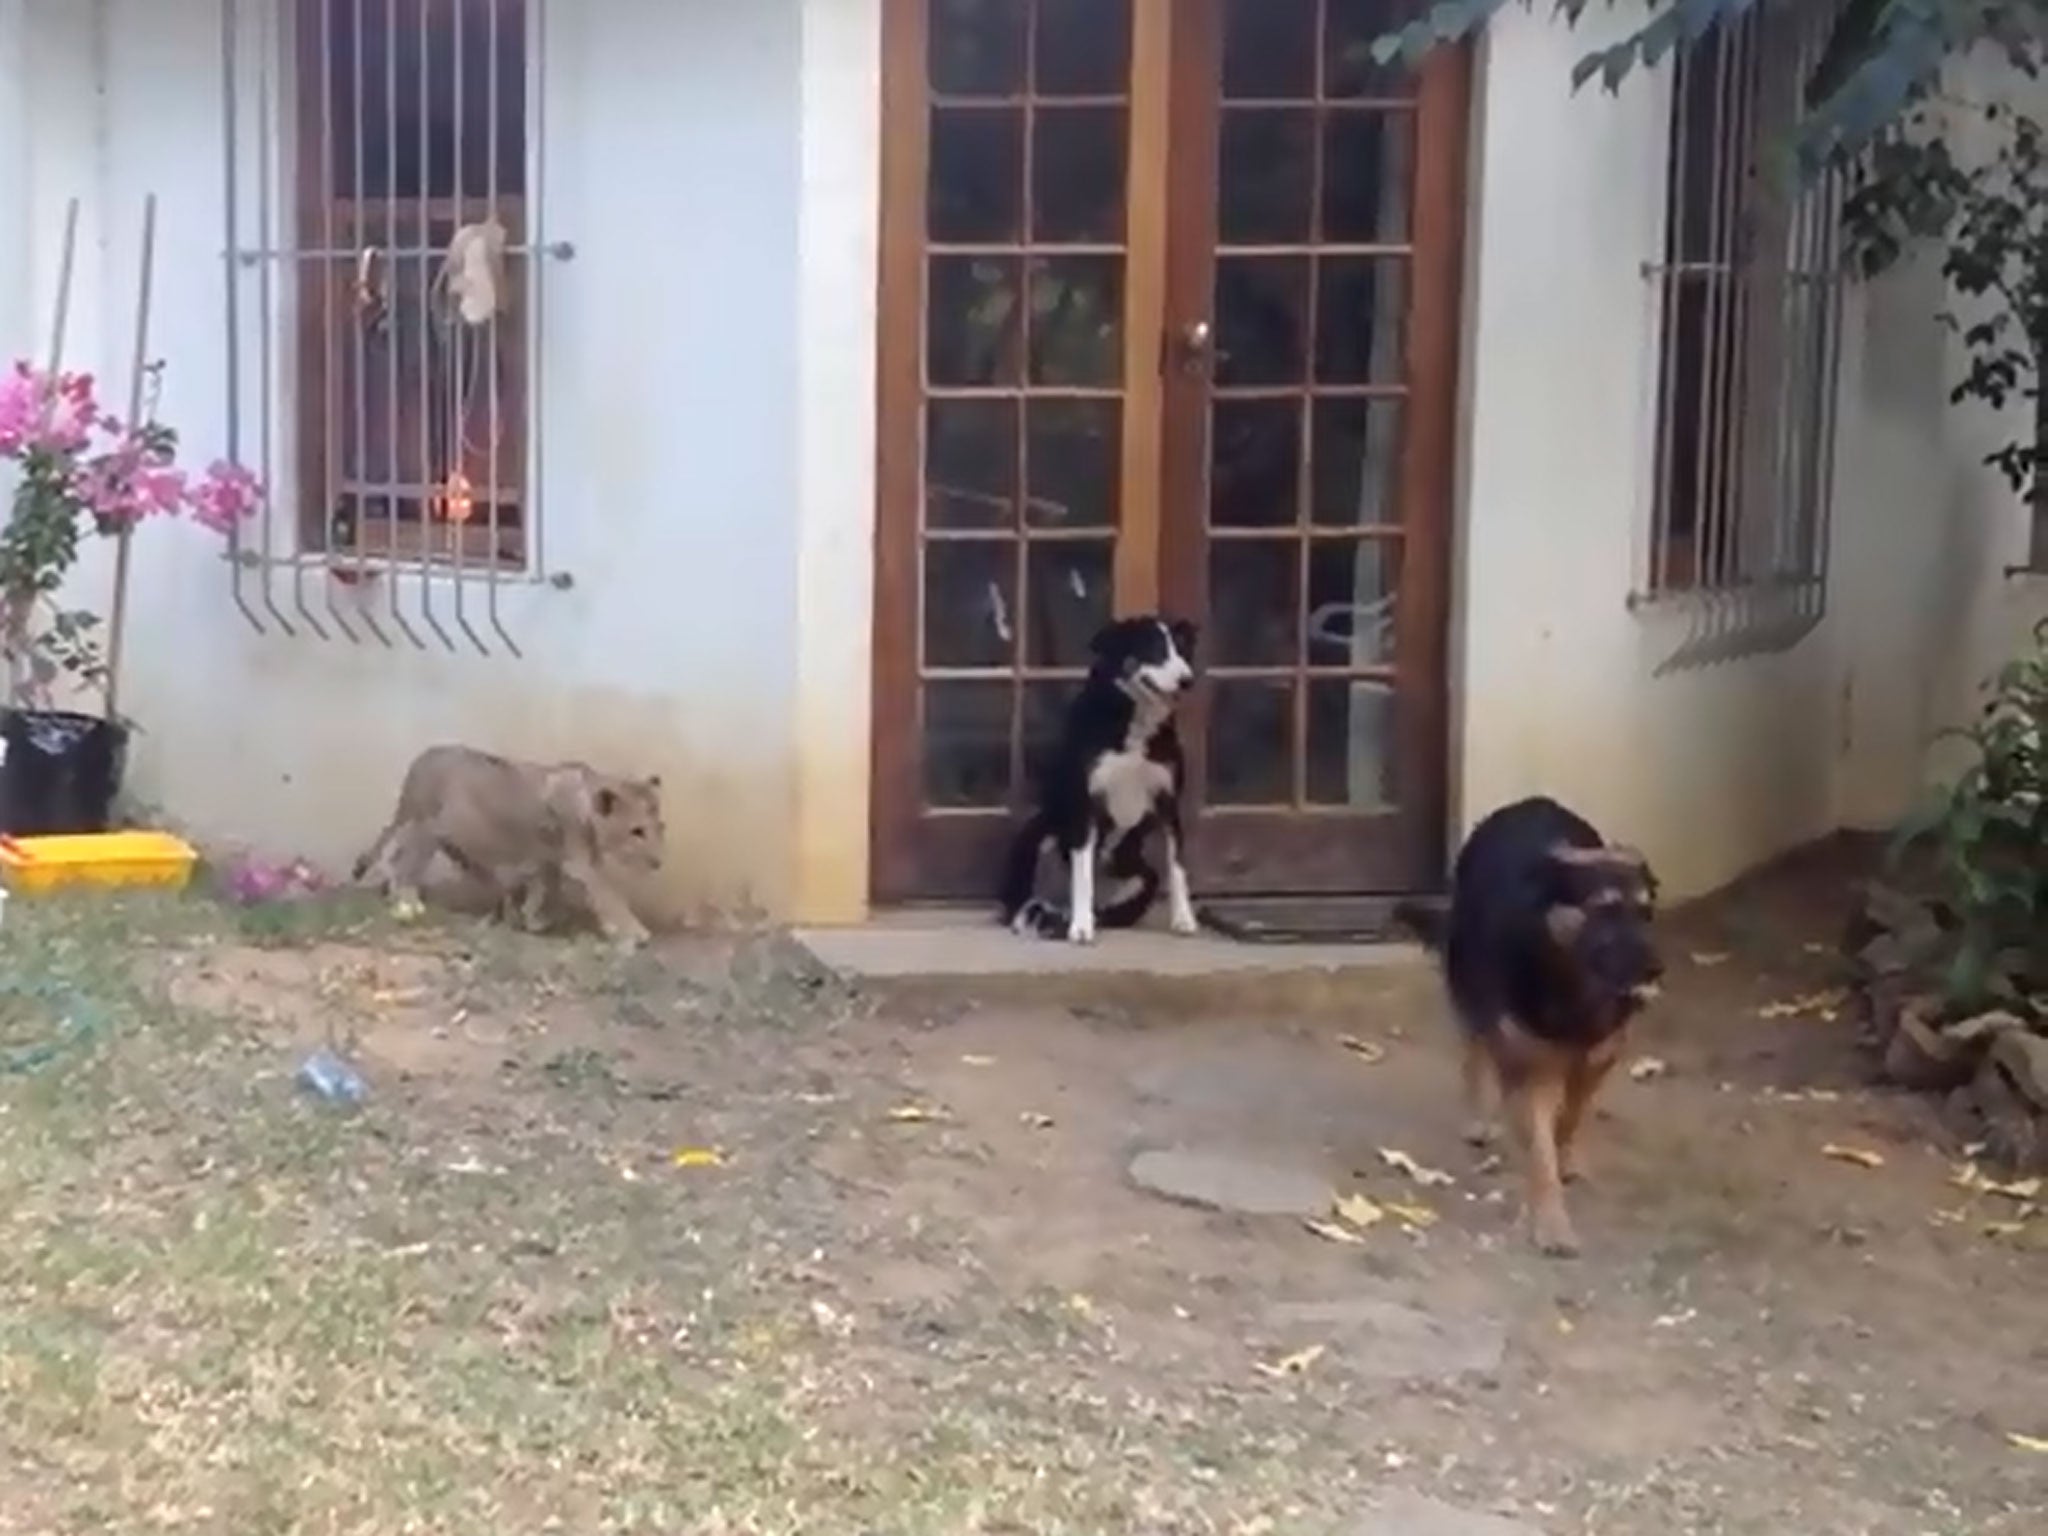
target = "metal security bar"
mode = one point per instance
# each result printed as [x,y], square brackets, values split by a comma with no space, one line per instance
[386,264]
[1749,299]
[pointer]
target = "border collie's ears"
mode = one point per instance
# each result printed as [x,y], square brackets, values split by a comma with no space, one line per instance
[1184,635]
[1106,637]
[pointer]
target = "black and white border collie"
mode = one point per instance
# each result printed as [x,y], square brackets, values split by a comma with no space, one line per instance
[1112,777]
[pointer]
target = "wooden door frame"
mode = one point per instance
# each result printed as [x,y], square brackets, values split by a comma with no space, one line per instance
[903,855]
[1417,859]
[1156,561]
[899,390]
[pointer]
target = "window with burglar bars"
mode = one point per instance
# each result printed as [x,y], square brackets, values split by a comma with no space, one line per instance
[410,213]
[1749,292]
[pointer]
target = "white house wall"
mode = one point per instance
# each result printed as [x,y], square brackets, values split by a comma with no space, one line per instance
[1715,770]
[1708,770]
[672,443]
[708,405]
[1937,605]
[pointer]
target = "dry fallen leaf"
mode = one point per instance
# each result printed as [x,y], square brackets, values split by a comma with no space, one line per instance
[1709,957]
[698,1157]
[1081,1306]
[913,1114]
[1824,1006]
[1970,1177]
[1643,1068]
[2004,1228]
[1365,1050]
[1862,1157]
[2034,1443]
[1802,1095]
[978,1061]
[1291,1365]
[830,1319]
[1360,1210]
[1414,1217]
[1401,1162]
[1566,1325]
[1037,1122]
[1333,1232]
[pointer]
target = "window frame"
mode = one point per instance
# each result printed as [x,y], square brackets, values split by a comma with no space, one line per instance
[1749,323]
[330,228]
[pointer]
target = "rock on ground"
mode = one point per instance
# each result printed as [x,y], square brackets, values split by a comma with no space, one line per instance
[1415,1514]
[1229,1181]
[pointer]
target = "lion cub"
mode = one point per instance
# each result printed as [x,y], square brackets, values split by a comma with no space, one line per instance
[526,837]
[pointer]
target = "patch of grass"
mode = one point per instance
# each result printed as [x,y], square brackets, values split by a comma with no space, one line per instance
[225,1307]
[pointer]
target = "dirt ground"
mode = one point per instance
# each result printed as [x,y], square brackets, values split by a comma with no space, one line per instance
[711,1242]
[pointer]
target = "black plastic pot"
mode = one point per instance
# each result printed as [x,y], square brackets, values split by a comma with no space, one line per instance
[62,772]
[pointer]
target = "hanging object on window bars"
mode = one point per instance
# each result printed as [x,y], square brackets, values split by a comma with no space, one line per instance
[473,271]
[458,500]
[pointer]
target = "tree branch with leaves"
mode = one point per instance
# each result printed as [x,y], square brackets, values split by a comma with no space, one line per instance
[1881,57]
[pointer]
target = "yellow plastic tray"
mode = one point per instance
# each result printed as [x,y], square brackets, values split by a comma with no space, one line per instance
[39,864]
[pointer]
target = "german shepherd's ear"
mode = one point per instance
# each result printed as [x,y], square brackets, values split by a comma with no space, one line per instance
[1604,856]
[1184,635]
[1613,861]
[1624,862]
[1646,877]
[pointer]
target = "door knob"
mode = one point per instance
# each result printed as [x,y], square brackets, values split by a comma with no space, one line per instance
[1192,345]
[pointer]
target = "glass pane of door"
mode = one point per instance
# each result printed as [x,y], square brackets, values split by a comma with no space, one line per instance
[1023,377]
[1303,533]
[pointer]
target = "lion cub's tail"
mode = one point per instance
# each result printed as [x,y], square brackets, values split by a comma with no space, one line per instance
[373,855]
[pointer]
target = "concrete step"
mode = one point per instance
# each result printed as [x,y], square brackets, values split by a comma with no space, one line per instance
[955,953]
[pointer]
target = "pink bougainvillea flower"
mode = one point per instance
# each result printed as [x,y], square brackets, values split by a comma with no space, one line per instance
[40,413]
[115,472]
[20,400]
[225,495]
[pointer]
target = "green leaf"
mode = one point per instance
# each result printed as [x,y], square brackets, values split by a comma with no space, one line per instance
[1448,21]
[1678,19]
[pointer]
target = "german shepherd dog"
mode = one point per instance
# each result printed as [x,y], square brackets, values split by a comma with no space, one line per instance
[1548,953]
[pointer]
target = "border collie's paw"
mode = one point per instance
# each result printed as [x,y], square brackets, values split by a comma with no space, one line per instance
[1183,922]
[1081,929]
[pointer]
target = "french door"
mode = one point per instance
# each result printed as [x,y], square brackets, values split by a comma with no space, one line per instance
[1168,320]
